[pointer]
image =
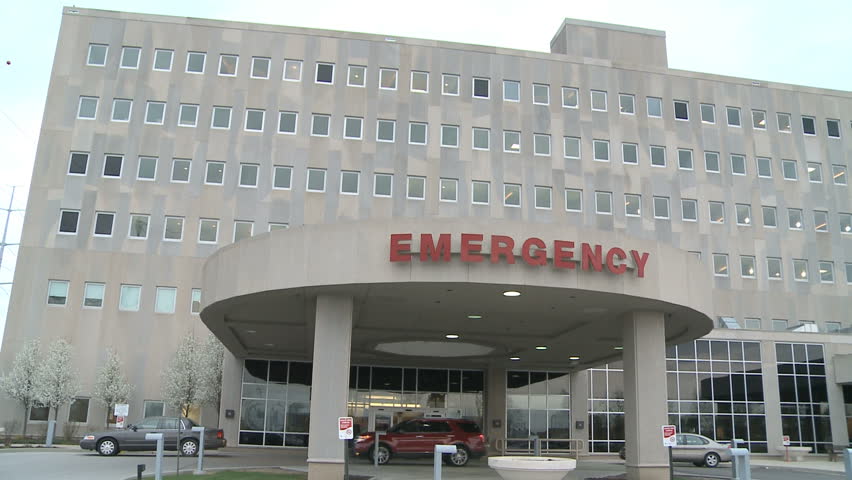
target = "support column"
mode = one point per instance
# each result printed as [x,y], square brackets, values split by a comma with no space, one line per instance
[580,408]
[495,404]
[836,402]
[645,395]
[329,386]
[232,377]
[771,396]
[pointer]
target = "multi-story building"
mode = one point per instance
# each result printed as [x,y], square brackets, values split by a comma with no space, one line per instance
[386,227]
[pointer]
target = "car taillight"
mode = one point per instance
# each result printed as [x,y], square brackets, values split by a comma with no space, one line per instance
[482,438]
[220,434]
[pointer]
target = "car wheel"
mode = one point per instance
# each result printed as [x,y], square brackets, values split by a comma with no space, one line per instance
[458,459]
[383,453]
[189,447]
[711,459]
[107,447]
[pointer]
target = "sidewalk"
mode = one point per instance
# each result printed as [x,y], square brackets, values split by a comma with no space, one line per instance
[815,463]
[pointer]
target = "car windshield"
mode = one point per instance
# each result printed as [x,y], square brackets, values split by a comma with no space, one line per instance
[470,427]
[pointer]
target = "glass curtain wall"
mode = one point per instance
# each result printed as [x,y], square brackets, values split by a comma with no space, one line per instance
[276,400]
[606,408]
[804,396]
[538,403]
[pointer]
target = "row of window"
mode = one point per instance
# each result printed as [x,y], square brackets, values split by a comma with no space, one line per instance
[388,79]
[129,297]
[779,324]
[801,272]
[78,411]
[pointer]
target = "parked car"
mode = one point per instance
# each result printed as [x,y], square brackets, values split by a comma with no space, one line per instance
[132,438]
[420,436]
[697,449]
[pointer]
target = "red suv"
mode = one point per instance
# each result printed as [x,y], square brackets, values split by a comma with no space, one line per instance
[419,437]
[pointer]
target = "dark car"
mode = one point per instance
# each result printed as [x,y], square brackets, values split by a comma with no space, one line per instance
[697,449]
[419,437]
[132,438]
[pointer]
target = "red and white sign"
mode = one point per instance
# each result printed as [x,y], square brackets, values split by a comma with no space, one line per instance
[120,412]
[785,440]
[345,430]
[119,422]
[669,436]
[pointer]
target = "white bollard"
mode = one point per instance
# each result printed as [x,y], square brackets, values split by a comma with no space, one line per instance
[847,460]
[51,430]
[199,469]
[440,450]
[742,464]
[158,463]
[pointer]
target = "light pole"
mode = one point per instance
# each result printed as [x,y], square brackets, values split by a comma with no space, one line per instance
[5,231]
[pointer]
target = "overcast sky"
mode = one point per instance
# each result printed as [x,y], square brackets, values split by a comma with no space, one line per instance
[773,40]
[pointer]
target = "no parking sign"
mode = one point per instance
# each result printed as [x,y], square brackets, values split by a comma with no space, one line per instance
[669,436]
[345,430]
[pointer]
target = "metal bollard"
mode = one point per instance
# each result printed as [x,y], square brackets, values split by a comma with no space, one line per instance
[847,460]
[536,445]
[440,450]
[742,464]
[158,463]
[139,469]
[199,469]
[51,429]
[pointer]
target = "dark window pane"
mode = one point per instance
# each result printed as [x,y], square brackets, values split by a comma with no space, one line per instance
[274,439]
[473,381]
[255,371]
[432,380]
[754,387]
[787,388]
[538,383]
[251,438]
[300,373]
[325,72]
[112,166]
[278,372]
[79,410]
[681,110]
[815,354]
[784,352]
[819,394]
[68,222]
[364,378]
[39,413]
[686,351]
[519,379]
[103,224]
[455,381]
[409,379]
[480,87]
[833,128]
[808,125]
[78,163]
[296,440]
[385,378]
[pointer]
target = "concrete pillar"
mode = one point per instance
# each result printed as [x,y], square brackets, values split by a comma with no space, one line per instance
[836,403]
[645,395]
[495,405]
[329,385]
[232,377]
[580,408]
[771,396]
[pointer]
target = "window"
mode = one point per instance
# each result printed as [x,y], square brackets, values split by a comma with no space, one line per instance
[603,203]
[734,119]
[449,84]
[481,192]
[511,91]
[39,414]
[541,94]
[353,128]
[97,55]
[814,172]
[215,173]
[764,167]
[794,216]
[383,185]
[174,229]
[541,144]
[448,189]
[57,292]
[833,128]
[121,109]
[248,174]
[572,147]
[708,113]
[188,115]
[93,295]
[684,159]
[724,322]
[130,57]
[689,210]
[838,172]
[747,268]
[450,136]
[808,126]
[720,264]
[243,230]
[228,65]
[601,150]
[293,70]
[78,163]
[779,325]
[632,205]
[420,82]
[717,212]
[598,100]
[221,118]
[349,182]
[155,113]
[195,62]
[254,120]
[281,177]
[770,219]
[481,87]
[711,162]
[820,221]
[287,122]
[316,180]
[195,301]
[129,298]
[758,119]
[626,104]
[208,230]
[417,133]
[87,108]
[661,207]
[800,270]
[784,123]
[165,300]
[681,110]
[573,200]
[743,214]
[138,226]
[325,73]
[78,411]
[481,138]
[511,195]
[356,76]
[511,141]
[153,409]
[845,222]
[570,97]
[320,125]
[738,164]
[543,197]
[658,156]
[655,107]
[112,165]
[832,327]
[789,169]
[753,323]
[103,224]
[260,67]
[387,79]
[826,272]
[180,170]
[385,130]
[278,226]
[630,153]
[68,221]
[415,188]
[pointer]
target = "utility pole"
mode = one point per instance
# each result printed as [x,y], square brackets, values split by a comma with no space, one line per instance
[5,232]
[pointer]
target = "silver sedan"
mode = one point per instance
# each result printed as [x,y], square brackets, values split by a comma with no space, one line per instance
[698,450]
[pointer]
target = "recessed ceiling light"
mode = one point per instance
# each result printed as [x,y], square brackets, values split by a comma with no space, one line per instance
[618,348]
[474,317]
[451,336]
[514,359]
[573,357]
[511,293]
[269,344]
[251,331]
[540,347]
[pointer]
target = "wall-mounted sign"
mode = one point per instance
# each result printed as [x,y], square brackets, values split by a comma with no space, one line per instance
[533,251]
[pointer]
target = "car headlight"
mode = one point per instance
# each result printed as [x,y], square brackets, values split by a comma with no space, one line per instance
[89,437]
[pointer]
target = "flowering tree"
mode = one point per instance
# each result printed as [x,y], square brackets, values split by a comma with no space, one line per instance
[111,386]
[56,379]
[210,356]
[19,383]
[194,375]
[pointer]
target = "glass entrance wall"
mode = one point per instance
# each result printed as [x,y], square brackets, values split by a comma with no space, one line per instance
[804,396]
[606,408]
[275,407]
[538,403]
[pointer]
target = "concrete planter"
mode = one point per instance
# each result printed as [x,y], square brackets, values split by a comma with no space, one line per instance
[532,468]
